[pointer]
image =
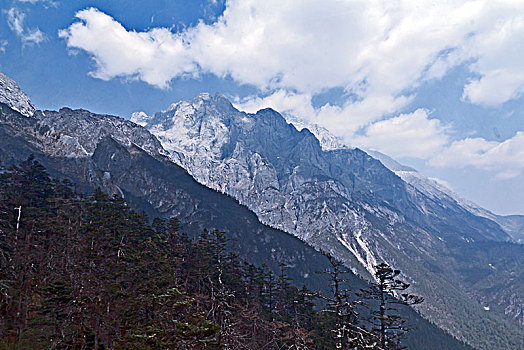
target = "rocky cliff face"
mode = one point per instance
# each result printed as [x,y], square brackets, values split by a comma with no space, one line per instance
[266,163]
[12,96]
[513,225]
[340,200]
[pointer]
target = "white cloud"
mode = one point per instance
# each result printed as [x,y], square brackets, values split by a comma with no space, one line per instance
[371,48]
[378,51]
[156,56]
[15,21]
[410,135]
[498,50]
[45,2]
[505,158]
[413,135]
[343,121]
[3,45]
[298,105]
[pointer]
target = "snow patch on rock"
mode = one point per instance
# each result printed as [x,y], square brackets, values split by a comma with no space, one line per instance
[327,140]
[14,97]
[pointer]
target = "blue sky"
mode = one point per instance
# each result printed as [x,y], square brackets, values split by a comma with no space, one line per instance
[436,85]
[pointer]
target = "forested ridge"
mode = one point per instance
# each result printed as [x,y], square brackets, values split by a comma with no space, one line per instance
[88,272]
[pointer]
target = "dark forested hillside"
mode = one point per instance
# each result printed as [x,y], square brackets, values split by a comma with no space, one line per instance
[91,273]
[150,183]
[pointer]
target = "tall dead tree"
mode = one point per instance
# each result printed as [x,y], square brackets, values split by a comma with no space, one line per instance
[346,333]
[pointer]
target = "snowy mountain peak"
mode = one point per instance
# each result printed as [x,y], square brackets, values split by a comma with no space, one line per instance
[140,118]
[14,97]
[389,162]
[197,126]
[203,96]
[327,140]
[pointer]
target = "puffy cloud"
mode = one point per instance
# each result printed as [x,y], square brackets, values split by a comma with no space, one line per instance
[378,52]
[498,50]
[413,135]
[343,121]
[409,135]
[298,105]
[15,21]
[367,47]
[505,158]
[156,56]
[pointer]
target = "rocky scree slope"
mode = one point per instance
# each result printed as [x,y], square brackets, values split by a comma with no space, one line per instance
[342,201]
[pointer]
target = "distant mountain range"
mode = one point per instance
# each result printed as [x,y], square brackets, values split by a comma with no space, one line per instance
[513,225]
[338,199]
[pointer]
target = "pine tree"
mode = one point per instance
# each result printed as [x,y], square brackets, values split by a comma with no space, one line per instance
[386,292]
[91,273]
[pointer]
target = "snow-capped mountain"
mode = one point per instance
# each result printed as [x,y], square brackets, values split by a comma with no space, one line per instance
[339,200]
[327,140]
[513,225]
[120,157]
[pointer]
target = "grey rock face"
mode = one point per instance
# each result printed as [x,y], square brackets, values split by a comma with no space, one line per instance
[75,133]
[14,97]
[342,200]
[150,182]
[285,176]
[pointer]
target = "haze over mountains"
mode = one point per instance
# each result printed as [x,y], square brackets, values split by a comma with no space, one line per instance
[340,200]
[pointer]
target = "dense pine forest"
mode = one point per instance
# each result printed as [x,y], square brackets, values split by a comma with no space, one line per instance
[88,272]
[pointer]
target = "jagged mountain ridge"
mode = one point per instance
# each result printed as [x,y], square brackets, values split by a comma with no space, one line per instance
[120,158]
[513,225]
[343,200]
[327,140]
[14,97]
[212,146]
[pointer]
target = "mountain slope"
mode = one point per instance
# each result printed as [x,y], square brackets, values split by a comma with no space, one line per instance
[342,201]
[513,225]
[12,96]
[124,159]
